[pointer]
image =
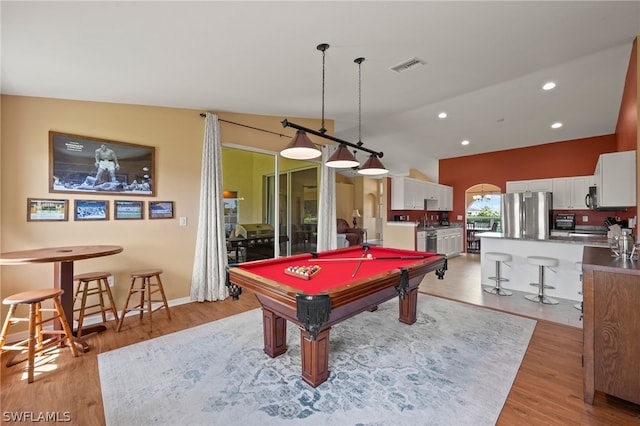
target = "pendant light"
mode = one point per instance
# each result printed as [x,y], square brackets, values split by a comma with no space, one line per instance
[373,166]
[301,147]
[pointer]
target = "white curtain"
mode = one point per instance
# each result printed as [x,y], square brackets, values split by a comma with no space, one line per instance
[209,267]
[327,235]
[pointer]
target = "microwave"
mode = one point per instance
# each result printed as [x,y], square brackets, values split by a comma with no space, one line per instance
[591,200]
[565,222]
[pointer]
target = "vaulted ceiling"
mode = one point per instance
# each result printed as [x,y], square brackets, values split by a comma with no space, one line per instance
[484,65]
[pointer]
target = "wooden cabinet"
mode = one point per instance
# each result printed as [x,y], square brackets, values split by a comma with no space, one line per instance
[533,185]
[569,193]
[615,177]
[611,325]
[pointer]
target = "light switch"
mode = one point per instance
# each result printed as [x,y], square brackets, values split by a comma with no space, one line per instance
[585,219]
[183,221]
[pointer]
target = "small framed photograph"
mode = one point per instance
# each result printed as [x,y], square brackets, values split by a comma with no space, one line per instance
[160,209]
[47,210]
[128,209]
[91,210]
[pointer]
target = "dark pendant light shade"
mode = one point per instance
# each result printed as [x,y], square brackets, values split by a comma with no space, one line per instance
[342,158]
[301,148]
[372,167]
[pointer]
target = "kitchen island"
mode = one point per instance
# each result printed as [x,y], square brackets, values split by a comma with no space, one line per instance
[565,277]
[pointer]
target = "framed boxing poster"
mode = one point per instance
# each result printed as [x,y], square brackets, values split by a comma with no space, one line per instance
[83,164]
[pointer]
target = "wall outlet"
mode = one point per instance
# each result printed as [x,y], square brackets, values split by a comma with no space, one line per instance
[459,217]
[183,221]
[585,219]
[110,280]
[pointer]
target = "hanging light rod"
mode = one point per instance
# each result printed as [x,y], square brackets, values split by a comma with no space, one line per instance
[287,123]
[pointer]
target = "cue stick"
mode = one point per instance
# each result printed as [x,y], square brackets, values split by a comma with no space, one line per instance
[365,248]
[352,259]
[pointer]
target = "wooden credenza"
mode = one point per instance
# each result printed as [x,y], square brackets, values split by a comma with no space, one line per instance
[611,328]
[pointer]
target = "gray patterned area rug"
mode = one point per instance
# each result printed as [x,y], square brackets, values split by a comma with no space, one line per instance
[454,366]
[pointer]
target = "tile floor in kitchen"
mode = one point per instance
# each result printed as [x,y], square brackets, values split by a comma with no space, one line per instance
[462,283]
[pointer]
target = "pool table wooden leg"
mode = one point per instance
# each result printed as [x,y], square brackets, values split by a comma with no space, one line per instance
[315,357]
[275,333]
[408,306]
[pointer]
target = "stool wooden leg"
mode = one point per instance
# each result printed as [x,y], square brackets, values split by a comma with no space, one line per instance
[83,304]
[114,311]
[142,291]
[7,325]
[65,326]
[164,298]
[31,345]
[147,285]
[126,305]
[100,283]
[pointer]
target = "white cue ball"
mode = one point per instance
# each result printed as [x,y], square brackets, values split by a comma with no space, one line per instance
[369,256]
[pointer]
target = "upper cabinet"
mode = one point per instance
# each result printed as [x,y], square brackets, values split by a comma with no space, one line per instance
[533,185]
[411,194]
[569,193]
[615,178]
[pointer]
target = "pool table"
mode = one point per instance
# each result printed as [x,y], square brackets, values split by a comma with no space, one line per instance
[350,280]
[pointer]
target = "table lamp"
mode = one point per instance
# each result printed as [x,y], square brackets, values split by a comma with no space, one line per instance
[356,215]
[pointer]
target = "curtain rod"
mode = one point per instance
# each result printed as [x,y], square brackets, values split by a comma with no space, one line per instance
[249,127]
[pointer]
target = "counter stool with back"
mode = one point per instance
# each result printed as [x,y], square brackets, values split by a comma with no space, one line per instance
[144,288]
[36,342]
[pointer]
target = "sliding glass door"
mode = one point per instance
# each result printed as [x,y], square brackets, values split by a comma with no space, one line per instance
[286,207]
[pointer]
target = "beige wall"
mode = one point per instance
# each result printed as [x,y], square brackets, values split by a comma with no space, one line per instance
[177,135]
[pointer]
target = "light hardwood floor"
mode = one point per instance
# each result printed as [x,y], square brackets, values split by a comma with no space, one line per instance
[547,389]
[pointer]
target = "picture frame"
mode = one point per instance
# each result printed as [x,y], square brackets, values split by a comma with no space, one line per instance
[85,210]
[128,210]
[161,209]
[84,164]
[47,210]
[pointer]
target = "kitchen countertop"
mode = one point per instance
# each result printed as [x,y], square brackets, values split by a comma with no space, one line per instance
[597,259]
[591,240]
[419,226]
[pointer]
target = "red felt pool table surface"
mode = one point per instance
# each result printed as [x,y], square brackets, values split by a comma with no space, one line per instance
[337,267]
[338,294]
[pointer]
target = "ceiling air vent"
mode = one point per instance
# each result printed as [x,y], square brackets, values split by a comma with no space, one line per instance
[408,64]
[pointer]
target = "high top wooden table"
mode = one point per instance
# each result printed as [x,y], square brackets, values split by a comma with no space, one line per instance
[62,258]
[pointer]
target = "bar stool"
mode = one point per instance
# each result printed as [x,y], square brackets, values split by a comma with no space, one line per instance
[541,262]
[35,342]
[578,306]
[100,288]
[498,258]
[144,288]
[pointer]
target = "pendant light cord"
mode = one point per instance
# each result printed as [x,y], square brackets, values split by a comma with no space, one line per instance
[323,47]
[359,61]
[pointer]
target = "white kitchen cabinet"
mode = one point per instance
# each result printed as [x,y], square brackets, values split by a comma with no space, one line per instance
[533,185]
[569,192]
[407,194]
[615,179]
[443,199]
[450,241]
[410,194]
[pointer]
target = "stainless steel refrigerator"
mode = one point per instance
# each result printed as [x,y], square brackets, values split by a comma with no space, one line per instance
[527,214]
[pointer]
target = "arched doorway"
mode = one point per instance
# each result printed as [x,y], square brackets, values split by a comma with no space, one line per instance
[482,213]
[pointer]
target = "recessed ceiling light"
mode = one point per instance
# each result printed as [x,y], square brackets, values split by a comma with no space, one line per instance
[556,125]
[549,85]
[465,142]
[442,115]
